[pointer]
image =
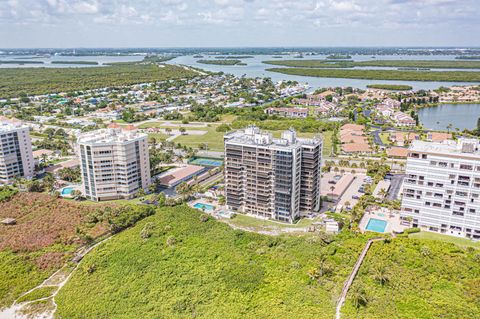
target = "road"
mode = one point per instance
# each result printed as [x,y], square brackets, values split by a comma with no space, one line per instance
[376,138]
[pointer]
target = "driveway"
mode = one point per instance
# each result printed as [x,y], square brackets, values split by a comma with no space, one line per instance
[395,186]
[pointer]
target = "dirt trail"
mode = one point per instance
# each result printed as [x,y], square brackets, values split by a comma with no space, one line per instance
[45,307]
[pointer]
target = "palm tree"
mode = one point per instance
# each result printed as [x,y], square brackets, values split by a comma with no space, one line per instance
[359,296]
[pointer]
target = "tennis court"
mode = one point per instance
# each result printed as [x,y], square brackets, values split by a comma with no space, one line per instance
[207,162]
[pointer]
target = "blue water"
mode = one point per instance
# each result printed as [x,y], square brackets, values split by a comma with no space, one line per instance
[67,191]
[206,207]
[207,162]
[461,116]
[255,68]
[376,225]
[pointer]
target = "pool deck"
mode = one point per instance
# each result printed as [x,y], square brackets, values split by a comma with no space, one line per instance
[381,213]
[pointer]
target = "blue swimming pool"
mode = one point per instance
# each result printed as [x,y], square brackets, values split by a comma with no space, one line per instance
[376,225]
[67,191]
[205,207]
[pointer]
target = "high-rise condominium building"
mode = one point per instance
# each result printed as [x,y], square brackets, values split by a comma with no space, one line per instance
[275,178]
[16,159]
[441,191]
[115,163]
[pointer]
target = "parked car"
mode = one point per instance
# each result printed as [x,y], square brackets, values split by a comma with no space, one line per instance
[337,177]
[332,182]
[355,197]
[361,190]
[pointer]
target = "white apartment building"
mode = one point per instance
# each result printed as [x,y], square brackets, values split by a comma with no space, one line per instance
[16,158]
[272,178]
[441,191]
[115,163]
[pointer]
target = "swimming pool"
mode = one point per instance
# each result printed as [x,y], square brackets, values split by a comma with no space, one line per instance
[376,225]
[207,162]
[205,207]
[67,191]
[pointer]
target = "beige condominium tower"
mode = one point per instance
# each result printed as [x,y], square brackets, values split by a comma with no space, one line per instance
[274,178]
[115,163]
[16,159]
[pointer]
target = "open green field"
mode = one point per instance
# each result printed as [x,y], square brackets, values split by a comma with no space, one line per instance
[188,268]
[257,224]
[15,81]
[440,76]
[180,266]
[214,139]
[448,239]
[439,64]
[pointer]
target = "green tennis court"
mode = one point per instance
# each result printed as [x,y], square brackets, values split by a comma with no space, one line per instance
[207,162]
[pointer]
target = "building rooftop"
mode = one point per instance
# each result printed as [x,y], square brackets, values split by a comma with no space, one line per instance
[111,135]
[463,147]
[177,175]
[7,125]
[252,135]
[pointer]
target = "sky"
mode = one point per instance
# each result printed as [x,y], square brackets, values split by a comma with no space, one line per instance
[238,23]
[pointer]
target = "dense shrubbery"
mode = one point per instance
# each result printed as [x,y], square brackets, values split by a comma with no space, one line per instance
[395,87]
[184,265]
[190,266]
[6,193]
[15,81]
[448,76]
[47,232]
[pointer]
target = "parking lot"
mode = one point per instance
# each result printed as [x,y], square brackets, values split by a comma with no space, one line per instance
[350,194]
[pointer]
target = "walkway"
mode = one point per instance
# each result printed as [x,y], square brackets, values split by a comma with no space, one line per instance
[24,310]
[353,274]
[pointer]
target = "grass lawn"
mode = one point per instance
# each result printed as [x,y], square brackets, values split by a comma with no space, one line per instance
[385,138]
[327,143]
[261,224]
[158,136]
[464,242]
[212,138]
[228,118]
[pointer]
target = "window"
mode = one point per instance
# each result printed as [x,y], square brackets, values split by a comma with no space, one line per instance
[466,167]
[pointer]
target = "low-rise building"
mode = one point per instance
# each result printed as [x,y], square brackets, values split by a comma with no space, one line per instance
[292,112]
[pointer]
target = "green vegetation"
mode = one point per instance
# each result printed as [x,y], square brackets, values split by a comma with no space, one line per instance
[220,62]
[179,264]
[234,57]
[6,193]
[393,87]
[17,81]
[441,76]
[443,64]
[468,57]
[445,238]
[212,139]
[38,293]
[407,278]
[20,62]
[309,63]
[47,232]
[338,57]
[76,62]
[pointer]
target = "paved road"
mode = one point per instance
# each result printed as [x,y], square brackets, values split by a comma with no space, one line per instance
[395,186]
[376,138]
